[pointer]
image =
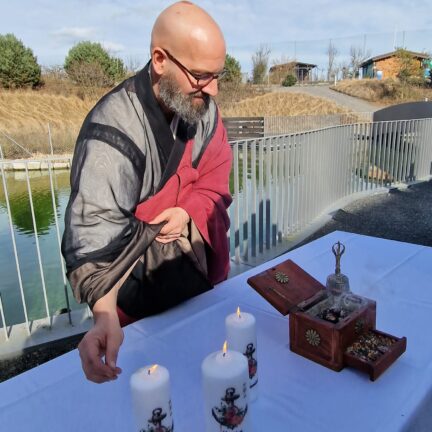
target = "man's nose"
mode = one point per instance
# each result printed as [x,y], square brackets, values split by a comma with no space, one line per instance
[211,88]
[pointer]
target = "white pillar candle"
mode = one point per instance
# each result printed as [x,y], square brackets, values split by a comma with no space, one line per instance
[241,336]
[151,399]
[226,392]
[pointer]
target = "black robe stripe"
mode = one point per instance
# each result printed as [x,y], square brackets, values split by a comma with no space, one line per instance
[158,122]
[120,141]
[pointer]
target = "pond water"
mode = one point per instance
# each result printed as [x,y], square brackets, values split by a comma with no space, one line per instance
[26,244]
[23,229]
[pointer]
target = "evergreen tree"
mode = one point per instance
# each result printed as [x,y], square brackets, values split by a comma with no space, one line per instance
[18,65]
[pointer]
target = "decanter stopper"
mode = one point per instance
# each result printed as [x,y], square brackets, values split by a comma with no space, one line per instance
[337,283]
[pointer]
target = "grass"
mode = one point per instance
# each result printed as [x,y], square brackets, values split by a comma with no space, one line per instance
[25,114]
[386,92]
[282,104]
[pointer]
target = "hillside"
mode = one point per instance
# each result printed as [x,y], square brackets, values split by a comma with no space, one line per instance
[386,92]
[25,115]
[282,104]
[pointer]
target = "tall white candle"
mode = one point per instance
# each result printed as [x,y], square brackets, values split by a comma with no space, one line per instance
[241,336]
[226,392]
[151,399]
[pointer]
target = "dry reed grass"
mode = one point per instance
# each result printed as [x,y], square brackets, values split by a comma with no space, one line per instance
[282,104]
[386,92]
[25,115]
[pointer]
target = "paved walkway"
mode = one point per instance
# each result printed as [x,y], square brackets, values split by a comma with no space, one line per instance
[324,91]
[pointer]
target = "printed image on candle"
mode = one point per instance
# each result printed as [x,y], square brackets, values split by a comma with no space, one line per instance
[252,363]
[156,422]
[229,414]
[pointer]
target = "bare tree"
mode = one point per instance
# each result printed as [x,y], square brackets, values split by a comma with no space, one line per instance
[344,70]
[332,52]
[357,57]
[260,63]
[133,65]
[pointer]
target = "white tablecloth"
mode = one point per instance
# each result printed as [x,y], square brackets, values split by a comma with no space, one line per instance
[295,394]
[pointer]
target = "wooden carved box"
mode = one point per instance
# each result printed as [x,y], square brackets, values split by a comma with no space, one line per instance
[333,344]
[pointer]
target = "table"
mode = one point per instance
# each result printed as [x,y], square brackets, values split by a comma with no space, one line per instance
[295,394]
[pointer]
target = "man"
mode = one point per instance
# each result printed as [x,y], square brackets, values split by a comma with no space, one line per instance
[146,222]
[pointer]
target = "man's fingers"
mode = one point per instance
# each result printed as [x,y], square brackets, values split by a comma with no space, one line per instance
[94,368]
[111,355]
[160,218]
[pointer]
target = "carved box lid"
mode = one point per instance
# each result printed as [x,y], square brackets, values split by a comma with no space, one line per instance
[285,286]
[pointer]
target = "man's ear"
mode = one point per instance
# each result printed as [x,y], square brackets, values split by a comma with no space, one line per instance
[158,60]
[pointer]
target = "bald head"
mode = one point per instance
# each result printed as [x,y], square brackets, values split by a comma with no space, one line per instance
[188,32]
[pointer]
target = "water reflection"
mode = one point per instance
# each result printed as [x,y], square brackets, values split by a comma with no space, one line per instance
[31,274]
[19,200]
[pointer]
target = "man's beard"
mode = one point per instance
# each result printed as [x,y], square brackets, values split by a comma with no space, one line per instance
[180,103]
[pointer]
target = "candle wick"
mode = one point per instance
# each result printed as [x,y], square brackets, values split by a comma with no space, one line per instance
[148,371]
[223,355]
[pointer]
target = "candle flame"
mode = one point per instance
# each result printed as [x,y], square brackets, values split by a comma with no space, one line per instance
[152,369]
[224,349]
[238,312]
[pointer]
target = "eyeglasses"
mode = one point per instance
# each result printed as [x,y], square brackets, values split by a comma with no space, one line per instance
[201,79]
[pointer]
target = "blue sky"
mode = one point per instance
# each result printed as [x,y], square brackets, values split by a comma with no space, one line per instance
[289,28]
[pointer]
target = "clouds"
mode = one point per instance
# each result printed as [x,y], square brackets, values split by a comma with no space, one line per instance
[290,27]
[72,34]
[113,47]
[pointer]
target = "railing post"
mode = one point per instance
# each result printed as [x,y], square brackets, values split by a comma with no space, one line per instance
[14,247]
[50,140]
[63,271]
[37,243]
[3,318]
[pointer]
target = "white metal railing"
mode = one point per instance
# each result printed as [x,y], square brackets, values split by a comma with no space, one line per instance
[282,183]
[279,183]
[23,166]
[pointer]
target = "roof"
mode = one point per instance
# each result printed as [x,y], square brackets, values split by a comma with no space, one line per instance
[392,54]
[293,63]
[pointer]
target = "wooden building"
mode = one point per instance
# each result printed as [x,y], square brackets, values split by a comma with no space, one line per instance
[302,71]
[388,65]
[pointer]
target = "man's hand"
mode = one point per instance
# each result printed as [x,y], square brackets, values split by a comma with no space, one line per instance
[176,220]
[100,346]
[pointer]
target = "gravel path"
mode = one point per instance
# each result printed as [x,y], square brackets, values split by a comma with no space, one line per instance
[324,91]
[402,215]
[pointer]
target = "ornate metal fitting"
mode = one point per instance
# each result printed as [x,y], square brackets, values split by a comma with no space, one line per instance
[281,277]
[338,250]
[313,337]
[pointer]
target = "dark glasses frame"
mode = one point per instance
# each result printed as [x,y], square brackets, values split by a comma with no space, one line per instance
[201,79]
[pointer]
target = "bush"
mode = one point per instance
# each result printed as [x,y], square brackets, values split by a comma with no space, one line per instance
[18,65]
[289,80]
[90,65]
[233,69]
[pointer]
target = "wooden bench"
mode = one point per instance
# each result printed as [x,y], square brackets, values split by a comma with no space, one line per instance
[244,127]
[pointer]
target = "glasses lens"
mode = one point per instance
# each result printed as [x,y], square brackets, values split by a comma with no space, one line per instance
[205,79]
